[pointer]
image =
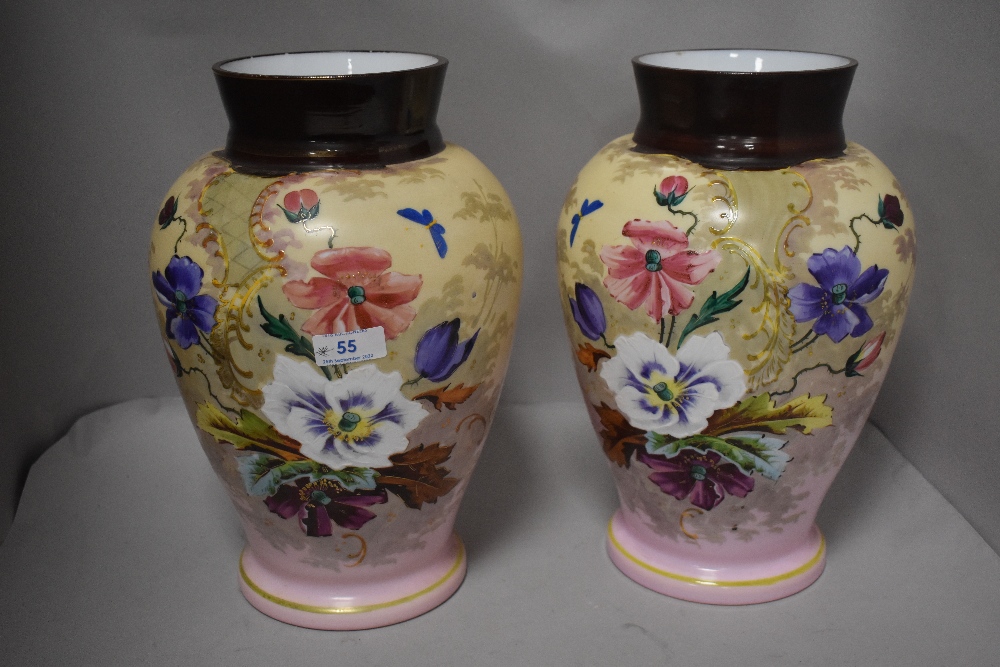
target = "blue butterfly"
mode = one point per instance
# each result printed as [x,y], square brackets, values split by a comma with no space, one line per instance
[587,208]
[427,220]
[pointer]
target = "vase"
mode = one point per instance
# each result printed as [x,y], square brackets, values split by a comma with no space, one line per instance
[337,290]
[734,277]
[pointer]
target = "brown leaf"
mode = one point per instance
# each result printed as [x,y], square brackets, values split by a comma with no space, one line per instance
[449,398]
[619,438]
[417,476]
[590,356]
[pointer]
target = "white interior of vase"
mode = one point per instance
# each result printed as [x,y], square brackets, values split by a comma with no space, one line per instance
[744,60]
[328,63]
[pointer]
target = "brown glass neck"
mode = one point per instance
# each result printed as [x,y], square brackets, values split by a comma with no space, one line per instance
[742,120]
[358,121]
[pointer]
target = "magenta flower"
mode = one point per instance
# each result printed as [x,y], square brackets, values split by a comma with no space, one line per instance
[890,214]
[657,269]
[838,303]
[320,504]
[671,191]
[168,213]
[703,477]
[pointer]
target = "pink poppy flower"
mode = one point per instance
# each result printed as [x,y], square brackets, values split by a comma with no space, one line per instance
[656,269]
[357,292]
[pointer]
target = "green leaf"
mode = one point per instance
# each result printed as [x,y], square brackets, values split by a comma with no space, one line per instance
[314,211]
[750,451]
[759,413]
[754,451]
[247,431]
[291,217]
[263,473]
[715,305]
[281,328]
[353,479]
[664,445]
[660,199]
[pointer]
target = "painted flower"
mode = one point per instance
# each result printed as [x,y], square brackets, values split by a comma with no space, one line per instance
[703,477]
[321,503]
[357,292]
[588,312]
[673,395]
[168,212]
[300,205]
[655,271]
[865,356]
[439,352]
[671,191]
[359,420]
[837,304]
[890,214]
[178,289]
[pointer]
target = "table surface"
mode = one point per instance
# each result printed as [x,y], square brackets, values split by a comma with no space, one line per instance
[124,551]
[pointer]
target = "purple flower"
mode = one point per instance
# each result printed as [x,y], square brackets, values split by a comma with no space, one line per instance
[843,291]
[187,311]
[703,477]
[588,312]
[321,503]
[889,212]
[439,352]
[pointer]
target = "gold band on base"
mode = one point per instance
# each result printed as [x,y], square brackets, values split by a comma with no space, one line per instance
[767,581]
[314,609]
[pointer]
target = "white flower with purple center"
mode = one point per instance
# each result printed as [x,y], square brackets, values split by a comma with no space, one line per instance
[671,395]
[359,420]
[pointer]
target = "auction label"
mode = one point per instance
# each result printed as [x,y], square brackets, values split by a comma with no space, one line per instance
[349,347]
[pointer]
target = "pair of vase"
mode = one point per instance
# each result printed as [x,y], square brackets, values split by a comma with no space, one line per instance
[338,288]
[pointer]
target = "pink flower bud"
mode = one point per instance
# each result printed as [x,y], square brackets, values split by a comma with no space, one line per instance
[868,353]
[292,201]
[676,185]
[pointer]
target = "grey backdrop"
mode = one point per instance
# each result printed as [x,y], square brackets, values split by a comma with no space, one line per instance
[105,104]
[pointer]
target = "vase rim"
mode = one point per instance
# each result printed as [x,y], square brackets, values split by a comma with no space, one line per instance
[326,65]
[696,105]
[330,109]
[739,61]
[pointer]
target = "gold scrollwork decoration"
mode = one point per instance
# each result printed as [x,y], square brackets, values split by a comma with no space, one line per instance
[796,220]
[257,222]
[218,178]
[687,514]
[729,199]
[471,419]
[362,549]
[214,236]
[776,323]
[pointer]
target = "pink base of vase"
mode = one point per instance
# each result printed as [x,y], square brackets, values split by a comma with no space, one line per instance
[740,581]
[353,607]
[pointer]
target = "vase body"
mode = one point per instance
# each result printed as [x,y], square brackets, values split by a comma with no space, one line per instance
[338,312]
[732,319]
